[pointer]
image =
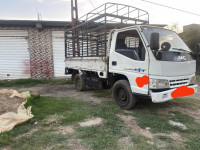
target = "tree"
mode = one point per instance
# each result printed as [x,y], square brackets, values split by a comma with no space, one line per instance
[174,27]
[191,38]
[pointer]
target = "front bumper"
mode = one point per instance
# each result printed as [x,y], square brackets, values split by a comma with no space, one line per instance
[159,97]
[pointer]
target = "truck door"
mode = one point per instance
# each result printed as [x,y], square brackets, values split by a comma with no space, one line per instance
[129,57]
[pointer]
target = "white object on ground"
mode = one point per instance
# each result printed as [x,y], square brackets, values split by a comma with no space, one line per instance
[35,123]
[15,93]
[9,120]
[20,95]
[147,128]
[178,124]
[91,122]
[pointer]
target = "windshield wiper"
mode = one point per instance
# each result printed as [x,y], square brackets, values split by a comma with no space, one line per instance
[180,49]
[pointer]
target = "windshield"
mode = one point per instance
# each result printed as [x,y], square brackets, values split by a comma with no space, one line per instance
[171,46]
[166,36]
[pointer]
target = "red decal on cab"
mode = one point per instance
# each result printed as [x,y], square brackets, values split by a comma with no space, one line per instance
[182,91]
[141,81]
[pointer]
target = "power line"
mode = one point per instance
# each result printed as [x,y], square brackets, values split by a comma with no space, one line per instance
[171,8]
[93,6]
[92,3]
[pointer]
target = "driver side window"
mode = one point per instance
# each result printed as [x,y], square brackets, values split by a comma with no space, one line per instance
[130,45]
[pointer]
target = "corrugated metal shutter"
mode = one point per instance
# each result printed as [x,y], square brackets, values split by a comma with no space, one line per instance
[58,53]
[14,54]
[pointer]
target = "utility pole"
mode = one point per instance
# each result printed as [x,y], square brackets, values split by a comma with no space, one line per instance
[74,12]
[75,32]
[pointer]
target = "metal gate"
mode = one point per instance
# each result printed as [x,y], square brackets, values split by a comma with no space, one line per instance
[14,54]
[58,53]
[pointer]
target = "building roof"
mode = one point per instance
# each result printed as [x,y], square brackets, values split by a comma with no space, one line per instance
[34,23]
[44,23]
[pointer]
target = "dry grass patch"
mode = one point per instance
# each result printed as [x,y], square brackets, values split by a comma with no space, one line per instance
[27,134]
[75,144]
[65,130]
[191,112]
[91,122]
[53,119]
[131,123]
[125,143]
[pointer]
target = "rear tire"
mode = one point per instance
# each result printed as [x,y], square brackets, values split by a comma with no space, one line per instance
[80,84]
[73,77]
[123,95]
[74,73]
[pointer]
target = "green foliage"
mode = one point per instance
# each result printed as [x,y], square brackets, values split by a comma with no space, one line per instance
[191,38]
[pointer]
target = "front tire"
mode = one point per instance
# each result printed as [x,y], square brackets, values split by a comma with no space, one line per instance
[123,95]
[80,84]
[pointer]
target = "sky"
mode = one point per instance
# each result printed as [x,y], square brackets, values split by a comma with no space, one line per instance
[60,10]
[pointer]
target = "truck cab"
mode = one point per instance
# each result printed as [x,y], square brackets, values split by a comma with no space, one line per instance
[155,61]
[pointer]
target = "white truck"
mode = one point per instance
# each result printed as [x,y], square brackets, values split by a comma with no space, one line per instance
[133,59]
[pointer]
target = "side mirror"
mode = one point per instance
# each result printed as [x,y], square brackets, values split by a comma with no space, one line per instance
[154,41]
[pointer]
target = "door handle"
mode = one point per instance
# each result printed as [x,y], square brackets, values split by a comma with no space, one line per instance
[114,63]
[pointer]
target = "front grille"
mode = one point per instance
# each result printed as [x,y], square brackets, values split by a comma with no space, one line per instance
[178,82]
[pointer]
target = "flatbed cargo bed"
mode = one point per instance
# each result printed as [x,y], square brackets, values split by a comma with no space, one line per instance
[94,64]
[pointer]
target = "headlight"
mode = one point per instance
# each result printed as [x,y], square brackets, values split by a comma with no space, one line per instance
[193,80]
[158,84]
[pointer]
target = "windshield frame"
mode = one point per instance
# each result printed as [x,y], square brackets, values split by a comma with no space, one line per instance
[175,49]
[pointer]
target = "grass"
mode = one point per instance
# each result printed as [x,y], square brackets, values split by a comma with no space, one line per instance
[52,112]
[72,112]
[107,134]
[32,82]
[148,116]
[189,103]
[39,139]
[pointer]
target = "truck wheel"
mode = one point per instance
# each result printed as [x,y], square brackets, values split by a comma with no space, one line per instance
[80,84]
[74,73]
[73,77]
[123,95]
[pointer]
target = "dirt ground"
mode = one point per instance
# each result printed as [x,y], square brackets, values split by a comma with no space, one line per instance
[8,104]
[61,91]
[131,123]
[70,91]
